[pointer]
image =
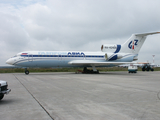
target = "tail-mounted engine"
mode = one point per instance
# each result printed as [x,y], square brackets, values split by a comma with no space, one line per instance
[111,51]
[111,48]
[112,56]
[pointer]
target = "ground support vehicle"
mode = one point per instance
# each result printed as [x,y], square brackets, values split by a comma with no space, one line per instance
[132,69]
[147,67]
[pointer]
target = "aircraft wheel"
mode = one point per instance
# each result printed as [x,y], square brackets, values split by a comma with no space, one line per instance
[26,72]
[1,96]
[143,69]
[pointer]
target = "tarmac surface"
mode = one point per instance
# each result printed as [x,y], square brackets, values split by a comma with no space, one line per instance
[70,96]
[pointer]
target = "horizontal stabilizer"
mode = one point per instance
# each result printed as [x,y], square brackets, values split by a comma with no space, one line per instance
[145,34]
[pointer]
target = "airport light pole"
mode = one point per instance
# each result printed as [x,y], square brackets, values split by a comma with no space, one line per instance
[153,59]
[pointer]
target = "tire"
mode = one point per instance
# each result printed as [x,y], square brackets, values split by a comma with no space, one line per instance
[143,69]
[26,72]
[1,96]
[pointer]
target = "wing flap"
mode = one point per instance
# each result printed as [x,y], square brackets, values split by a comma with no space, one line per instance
[95,63]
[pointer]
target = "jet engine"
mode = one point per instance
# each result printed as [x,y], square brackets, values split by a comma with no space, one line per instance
[112,51]
[111,48]
[112,56]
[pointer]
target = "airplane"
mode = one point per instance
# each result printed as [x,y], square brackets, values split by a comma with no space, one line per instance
[109,56]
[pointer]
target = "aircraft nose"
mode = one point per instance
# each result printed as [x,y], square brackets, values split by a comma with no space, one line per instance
[9,61]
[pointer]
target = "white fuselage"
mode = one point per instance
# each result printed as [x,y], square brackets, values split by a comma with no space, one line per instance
[62,58]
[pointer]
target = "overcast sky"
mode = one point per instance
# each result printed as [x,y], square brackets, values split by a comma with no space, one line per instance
[78,25]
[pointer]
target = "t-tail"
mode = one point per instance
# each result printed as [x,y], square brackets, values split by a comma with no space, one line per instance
[130,48]
[134,43]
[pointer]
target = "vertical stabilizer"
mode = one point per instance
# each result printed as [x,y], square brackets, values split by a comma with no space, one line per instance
[135,42]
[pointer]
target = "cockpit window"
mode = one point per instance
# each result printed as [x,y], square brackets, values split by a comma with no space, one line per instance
[15,56]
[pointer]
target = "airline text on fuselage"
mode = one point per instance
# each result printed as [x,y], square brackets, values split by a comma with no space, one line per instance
[62,53]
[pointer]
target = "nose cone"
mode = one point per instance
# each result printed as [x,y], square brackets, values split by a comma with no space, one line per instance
[9,61]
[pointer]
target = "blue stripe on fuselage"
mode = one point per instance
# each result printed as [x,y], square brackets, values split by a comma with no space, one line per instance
[62,56]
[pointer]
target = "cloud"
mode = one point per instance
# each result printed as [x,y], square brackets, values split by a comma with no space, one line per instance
[75,25]
[11,32]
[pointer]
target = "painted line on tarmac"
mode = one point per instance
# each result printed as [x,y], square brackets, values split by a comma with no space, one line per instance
[35,98]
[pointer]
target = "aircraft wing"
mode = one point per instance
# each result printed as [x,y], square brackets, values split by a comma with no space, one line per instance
[95,63]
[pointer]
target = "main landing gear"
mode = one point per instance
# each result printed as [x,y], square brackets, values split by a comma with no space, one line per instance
[87,71]
[26,71]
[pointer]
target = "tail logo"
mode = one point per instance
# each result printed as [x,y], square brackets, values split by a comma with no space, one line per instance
[132,44]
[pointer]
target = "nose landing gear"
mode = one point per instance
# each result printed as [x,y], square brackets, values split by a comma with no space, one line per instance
[26,71]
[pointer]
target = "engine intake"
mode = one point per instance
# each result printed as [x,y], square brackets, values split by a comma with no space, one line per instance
[111,56]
